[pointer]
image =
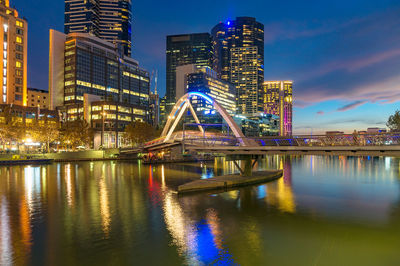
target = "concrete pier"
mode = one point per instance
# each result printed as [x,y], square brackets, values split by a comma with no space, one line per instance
[229,181]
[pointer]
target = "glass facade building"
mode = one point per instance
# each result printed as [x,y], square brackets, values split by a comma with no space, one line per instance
[238,42]
[92,66]
[81,16]
[108,20]
[183,50]
[278,100]
[90,80]
[244,75]
[258,125]
[115,22]
[206,81]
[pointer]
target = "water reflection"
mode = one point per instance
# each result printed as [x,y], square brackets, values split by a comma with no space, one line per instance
[280,193]
[6,251]
[122,213]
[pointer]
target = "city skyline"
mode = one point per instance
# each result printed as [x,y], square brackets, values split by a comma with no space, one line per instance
[343,65]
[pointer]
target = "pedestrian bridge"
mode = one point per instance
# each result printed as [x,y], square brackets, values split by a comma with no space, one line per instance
[200,141]
[346,144]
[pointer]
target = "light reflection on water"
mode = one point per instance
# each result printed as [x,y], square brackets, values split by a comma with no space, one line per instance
[325,210]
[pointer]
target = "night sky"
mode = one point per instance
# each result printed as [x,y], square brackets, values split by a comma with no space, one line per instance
[343,55]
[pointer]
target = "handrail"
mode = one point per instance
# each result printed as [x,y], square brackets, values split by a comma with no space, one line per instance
[381,139]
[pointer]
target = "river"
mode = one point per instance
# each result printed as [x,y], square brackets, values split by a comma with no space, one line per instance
[326,210]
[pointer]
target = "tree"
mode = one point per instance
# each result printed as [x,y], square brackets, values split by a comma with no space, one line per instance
[45,132]
[75,133]
[394,121]
[11,129]
[139,132]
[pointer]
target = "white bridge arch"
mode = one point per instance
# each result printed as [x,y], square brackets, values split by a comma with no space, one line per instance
[184,103]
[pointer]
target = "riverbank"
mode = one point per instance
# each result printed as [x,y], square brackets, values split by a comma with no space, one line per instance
[92,155]
[229,181]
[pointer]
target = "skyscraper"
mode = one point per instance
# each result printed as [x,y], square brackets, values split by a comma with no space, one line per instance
[115,21]
[13,55]
[236,43]
[82,16]
[278,100]
[183,50]
[106,19]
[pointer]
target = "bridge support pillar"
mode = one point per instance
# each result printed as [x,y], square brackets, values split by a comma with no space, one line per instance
[249,161]
[248,166]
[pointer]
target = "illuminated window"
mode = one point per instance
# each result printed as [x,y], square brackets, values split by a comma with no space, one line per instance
[19,39]
[18,64]
[19,24]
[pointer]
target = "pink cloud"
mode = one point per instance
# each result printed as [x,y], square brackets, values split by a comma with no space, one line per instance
[385,92]
[351,106]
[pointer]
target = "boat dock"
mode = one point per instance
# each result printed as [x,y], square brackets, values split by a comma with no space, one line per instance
[229,181]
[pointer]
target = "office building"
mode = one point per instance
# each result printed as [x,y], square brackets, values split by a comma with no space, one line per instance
[13,55]
[37,98]
[278,100]
[236,43]
[206,81]
[183,50]
[26,116]
[88,77]
[108,20]
[258,125]
[244,75]
[82,16]
[116,23]
[182,73]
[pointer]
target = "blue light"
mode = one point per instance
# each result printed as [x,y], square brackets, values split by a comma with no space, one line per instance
[228,23]
[179,108]
[208,99]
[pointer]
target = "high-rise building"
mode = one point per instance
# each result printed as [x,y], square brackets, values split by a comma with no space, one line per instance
[108,20]
[13,55]
[82,16]
[116,23]
[244,70]
[182,73]
[87,76]
[278,100]
[234,41]
[183,50]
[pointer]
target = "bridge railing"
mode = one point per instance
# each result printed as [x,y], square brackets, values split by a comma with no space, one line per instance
[382,139]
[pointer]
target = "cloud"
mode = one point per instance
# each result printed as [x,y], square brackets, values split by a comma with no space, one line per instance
[350,106]
[320,113]
[351,64]
[360,62]
[291,30]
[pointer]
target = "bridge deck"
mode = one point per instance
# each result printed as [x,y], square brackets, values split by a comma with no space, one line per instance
[364,150]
